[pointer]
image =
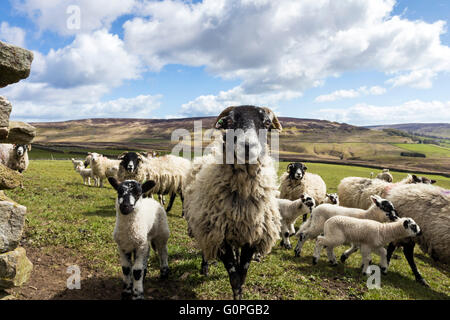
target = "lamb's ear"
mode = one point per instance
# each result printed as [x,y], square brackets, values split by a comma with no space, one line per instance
[146,187]
[432,181]
[416,179]
[375,200]
[276,125]
[221,121]
[114,183]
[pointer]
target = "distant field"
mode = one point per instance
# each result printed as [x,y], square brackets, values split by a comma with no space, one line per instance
[429,150]
[69,223]
[64,153]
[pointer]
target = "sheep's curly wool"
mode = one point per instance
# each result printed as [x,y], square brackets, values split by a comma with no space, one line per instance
[236,203]
[312,184]
[355,192]
[429,206]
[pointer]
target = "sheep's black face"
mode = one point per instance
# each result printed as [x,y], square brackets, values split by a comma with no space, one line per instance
[413,227]
[386,206]
[246,132]
[423,180]
[333,198]
[308,201]
[20,150]
[129,192]
[130,161]
[296,171]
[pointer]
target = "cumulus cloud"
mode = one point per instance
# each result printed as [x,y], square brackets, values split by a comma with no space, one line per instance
[53,15]
[12,35]
[285,46]
[348,94]
[420,79]
[214,104]
[409,112]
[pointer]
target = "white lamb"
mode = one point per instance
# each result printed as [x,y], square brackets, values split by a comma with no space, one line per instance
[332,198]
[86,174]
[139,223]
[77,163]
[103,167]
[290,211]
[385,175]
[368,234]
[381,210]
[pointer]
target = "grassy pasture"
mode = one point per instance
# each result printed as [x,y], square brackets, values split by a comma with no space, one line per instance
[66,216]
[431,151]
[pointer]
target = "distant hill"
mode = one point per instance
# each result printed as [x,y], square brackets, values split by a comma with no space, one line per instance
[432,130]
[301,139]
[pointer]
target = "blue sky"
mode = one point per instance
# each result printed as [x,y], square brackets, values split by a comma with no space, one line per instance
[361,62]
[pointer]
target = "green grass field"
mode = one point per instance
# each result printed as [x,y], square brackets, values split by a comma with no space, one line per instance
[428,149]
[64,214]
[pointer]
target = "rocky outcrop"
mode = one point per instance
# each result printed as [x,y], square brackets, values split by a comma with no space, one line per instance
[15,64]
[12,219]
[15,268]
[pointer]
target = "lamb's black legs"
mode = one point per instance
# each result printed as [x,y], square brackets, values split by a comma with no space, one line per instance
[172,199]
[236,266]
[205,267]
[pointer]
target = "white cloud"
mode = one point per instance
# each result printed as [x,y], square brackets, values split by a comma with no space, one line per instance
[420,79]
[214,104]
[285,46]
[12,35]
[409,112]
[138,107]
[52,14]
[348,94]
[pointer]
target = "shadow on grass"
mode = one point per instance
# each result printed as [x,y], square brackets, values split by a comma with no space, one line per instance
[438,265]
[103,211]
[323,269]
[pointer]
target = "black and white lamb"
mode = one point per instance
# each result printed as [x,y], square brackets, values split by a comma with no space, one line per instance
[231,205]
[140,223]
[297,181]
[290,211]
[369,235]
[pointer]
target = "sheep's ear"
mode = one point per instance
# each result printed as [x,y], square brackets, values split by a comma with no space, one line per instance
[221,121]
[114,183]
[289,167]
[276,125]
[120,157]
[29,147]
[375,200]
[305,167]
[149,185]
[416,179]
[432,181]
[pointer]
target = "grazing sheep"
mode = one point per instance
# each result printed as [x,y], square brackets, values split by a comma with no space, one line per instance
[290,211]
[381,210]
[168,172]
[430,207]
[102,167]
[355,192]
[86,174]
[139,223]
[332,198]
[231,206]
[77,163]
[369,235]
[385,175]
[297,181]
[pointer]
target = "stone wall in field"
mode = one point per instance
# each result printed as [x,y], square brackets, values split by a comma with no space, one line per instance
[15,267]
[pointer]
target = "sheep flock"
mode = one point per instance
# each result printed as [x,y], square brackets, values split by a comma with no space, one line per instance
[237,211]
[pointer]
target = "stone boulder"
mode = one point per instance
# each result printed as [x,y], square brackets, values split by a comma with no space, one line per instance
[15,268]
[12,220]
[20,133]
[5,111]
[9,179]
[15,64]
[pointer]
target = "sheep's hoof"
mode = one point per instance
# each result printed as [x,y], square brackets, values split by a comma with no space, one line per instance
[384,271]
[343,258]
[315,260]
[164,273]
[333,263]
[204,270]
[297,252]
[126,295]
[422,282]
[287,246]
[138,296]
[257,257]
